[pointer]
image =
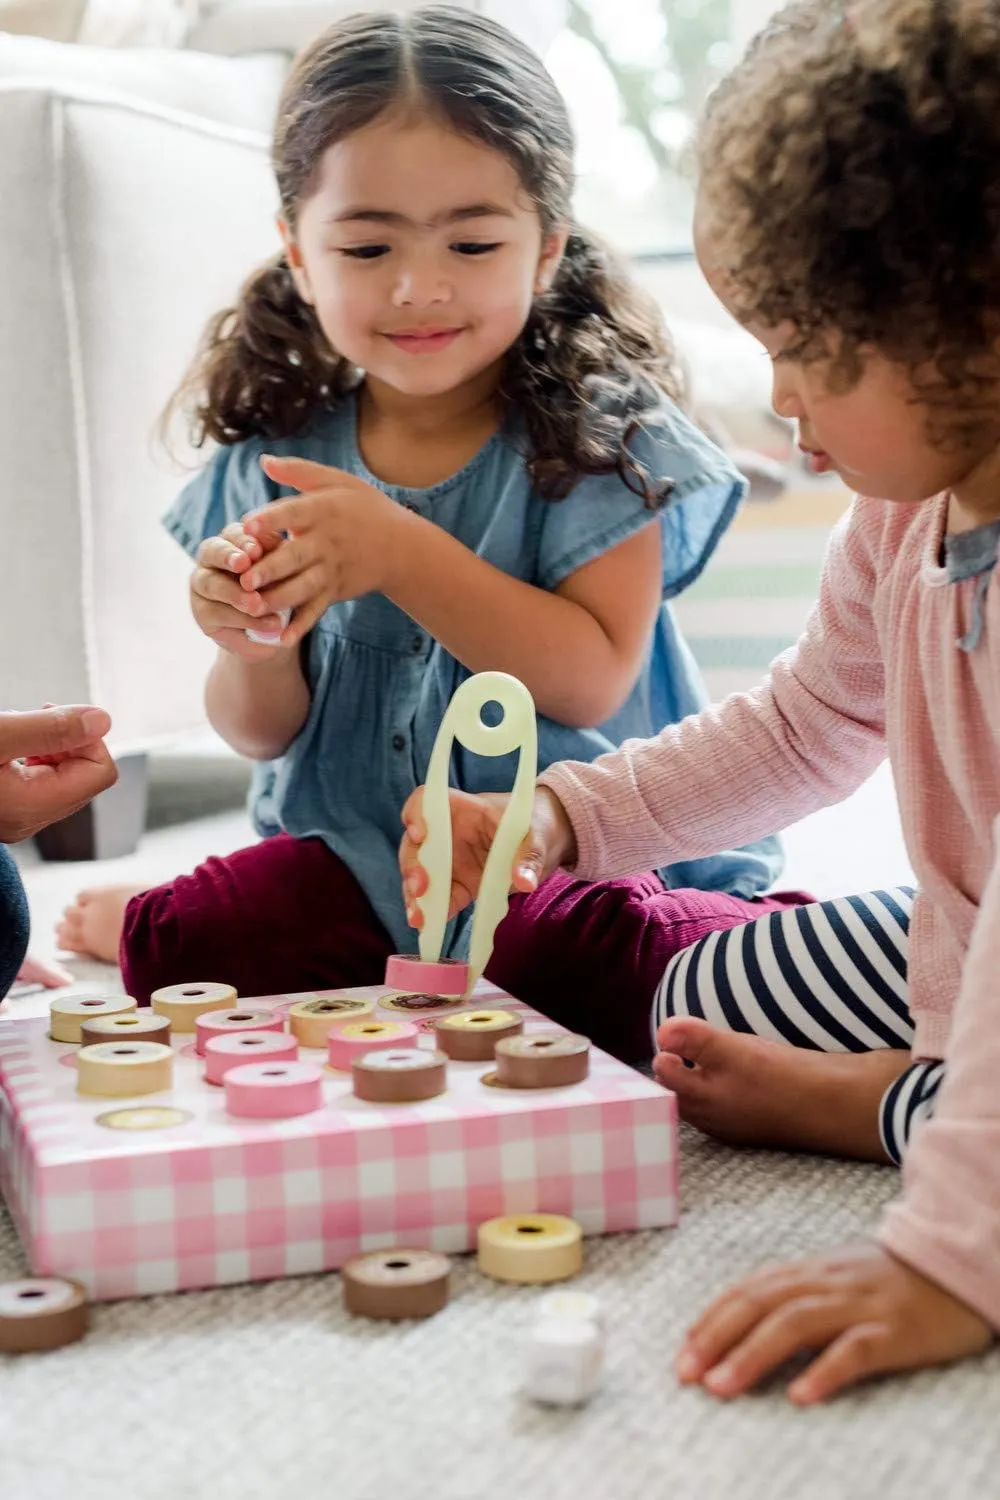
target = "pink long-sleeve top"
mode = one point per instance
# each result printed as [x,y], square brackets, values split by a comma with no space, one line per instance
[900,655]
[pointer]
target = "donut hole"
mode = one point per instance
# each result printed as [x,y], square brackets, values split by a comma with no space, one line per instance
[239,1016]
[275,1073]
[543,1042]
[397,1265]
[30,1292]
[529,1229]
[123,1051]
[251,1041]
[127,1021]
[90,1004]
[193,992]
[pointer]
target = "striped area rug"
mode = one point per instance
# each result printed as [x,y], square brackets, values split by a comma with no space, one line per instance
[753,599]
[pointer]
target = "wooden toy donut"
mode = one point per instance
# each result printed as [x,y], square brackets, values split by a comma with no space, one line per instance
[227,1022]
[447,977]
[274,1090]
[472,1035]
[542,1060]
[530,1248]
[184,1003]
[117,1069]
[346,1043]
[399,1075]
[67,1015]
[396,1283]
[42,1312]
[130,1026]
[313,1020]
[241,1047]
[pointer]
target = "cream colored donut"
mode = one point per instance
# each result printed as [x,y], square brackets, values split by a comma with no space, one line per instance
[184,1003]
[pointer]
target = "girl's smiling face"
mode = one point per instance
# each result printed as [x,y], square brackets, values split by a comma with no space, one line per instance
[420,254]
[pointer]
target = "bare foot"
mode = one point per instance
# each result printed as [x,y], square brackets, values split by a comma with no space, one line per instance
[42,971]
[751,1092]
[93,924]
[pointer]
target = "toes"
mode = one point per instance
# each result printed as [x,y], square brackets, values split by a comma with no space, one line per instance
[688,1037]
[673,1073]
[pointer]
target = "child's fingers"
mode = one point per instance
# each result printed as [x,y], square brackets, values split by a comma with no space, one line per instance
[303,620]
[413,817]
[528,863]
[216,588]
[282,563]
[221,552]
[803,1323]
[213,617]
[241,539]
[860,1352]
[299,473]
[723,1323]
[295,591]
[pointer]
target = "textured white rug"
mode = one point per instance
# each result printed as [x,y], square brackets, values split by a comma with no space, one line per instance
[270,1392]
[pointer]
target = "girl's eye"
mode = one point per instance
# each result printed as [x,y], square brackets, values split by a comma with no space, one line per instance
[365,252]
[474,247]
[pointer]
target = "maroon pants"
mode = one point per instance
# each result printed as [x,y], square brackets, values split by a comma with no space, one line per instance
[287,915]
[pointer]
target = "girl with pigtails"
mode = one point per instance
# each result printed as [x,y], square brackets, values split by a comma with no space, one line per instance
[448,438]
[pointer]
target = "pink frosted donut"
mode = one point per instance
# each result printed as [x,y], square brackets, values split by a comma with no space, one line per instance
[225,1022]
[346,1043]
[411,975]
[274,1090]
[242,1047]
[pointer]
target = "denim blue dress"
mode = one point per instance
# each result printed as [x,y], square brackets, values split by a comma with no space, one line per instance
[380,685]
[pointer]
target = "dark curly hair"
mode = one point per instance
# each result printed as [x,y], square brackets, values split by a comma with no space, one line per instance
[593,358]
[850,166]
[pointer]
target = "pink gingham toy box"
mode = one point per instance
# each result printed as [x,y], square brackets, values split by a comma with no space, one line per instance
[167,1192]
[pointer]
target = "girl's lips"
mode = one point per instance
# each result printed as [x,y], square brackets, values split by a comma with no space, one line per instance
[424,343]
[817,462]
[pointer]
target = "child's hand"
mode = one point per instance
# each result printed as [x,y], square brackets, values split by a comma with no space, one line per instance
[868,1312]
[223,608]
[340,546]
[474,822]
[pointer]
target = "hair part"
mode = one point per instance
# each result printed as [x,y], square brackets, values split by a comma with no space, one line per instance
[594,358]
[850,168]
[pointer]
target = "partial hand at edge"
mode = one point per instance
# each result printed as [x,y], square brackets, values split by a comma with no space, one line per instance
[53,761]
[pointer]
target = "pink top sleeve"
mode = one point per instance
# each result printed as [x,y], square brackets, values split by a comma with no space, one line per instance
[806,738]
[947,1224]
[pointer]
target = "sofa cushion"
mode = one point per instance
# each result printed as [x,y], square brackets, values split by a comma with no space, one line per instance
[242,91]
[237,26]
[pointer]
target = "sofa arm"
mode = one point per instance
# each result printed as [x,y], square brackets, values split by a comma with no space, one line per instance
[125,226]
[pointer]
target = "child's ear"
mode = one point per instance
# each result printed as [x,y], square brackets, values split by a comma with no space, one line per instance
[553,250]
[295,262]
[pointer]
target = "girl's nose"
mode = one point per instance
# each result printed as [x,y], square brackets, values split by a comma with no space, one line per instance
[421,286]
[785,398]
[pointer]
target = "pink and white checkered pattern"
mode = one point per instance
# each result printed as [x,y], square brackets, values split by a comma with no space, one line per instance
[213,1199]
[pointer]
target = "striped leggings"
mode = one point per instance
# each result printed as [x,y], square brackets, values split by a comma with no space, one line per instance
[830,976]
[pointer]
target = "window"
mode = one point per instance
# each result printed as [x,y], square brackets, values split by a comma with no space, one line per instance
[635,74]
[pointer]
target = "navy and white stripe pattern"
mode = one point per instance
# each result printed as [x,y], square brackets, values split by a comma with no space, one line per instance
[830,977]
[908,1103]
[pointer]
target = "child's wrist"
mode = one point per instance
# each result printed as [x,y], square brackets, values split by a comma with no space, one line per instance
[558,838]
[397,538]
